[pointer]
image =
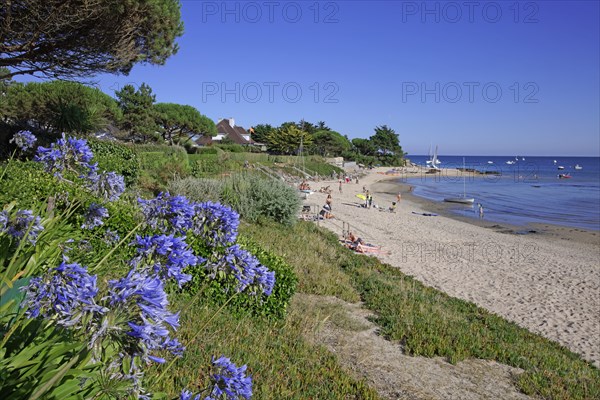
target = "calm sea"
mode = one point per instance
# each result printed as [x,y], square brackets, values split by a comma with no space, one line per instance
[525,191]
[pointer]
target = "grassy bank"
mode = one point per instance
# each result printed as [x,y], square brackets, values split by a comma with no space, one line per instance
[426,321]
[282,364]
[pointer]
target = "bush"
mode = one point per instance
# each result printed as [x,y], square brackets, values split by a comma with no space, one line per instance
[274,200]
[116,157]
[206,150]
[197,189]
[26,183]
[220,290]
[232,148]
[161,148]
[250,195]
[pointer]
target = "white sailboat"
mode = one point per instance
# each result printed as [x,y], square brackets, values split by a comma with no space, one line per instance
[433,162]
[463,199]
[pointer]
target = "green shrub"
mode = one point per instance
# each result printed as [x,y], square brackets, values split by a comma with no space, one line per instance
[197,189]
[232,148]
[26,183]
[252,196]
[222,289]
[155,147]
[116,157]
[274,200]
[206,150]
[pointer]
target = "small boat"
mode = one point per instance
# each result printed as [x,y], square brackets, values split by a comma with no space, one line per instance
[490,162]
[510,162]
[462,199]
[578,166]
[561,167]
[564,176]
[522,158]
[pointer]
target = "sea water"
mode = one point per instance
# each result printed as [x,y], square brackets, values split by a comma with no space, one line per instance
[525,190]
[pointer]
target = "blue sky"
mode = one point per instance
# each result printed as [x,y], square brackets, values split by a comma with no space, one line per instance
[497,78]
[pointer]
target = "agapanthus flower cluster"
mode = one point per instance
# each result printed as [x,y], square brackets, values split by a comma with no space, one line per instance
[229,380]
[94,216]
[168,214]
[24,225]
[107,185]
[24,140]
[216,223]
[246,268]
[66,292]
[187,395]
[166,256]
[66,153]
[151,326]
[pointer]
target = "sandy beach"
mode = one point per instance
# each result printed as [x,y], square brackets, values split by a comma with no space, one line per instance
[547,281]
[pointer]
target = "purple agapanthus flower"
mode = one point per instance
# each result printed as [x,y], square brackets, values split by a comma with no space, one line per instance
[24,140]
[67,292]
[23,223]
[216,223]
[66,153]
[246,268]
[166,255]
[230,380]
[107,185]
[151,328]
[94,215]
[187,395]
[168,214]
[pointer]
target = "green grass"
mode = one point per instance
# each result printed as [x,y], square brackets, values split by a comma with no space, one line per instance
[426,321]
[313,261]
[282,364]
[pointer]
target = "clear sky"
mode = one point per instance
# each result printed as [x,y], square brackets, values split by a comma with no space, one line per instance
[473,77]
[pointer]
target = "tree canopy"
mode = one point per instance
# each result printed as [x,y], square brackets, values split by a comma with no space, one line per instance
[330,143]
[261,133]
[58,106]
[181,120]
[139,115]
[386,141]
[73,39]
[287,140]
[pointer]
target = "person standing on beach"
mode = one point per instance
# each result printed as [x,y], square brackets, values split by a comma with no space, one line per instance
[480,210]
[398,197]
[370,200]
[340,186]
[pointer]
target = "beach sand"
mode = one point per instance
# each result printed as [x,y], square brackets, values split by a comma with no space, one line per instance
[547,281]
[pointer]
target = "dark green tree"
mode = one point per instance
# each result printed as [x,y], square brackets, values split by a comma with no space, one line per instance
[386,141]
[139,115]
[364,147]
[177,120]
[307,127]
[330,143]
[73,39]
[389,151]
[58,106]
[261,133]
[321,126]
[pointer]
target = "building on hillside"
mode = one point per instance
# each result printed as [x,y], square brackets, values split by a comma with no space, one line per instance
[226,129]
